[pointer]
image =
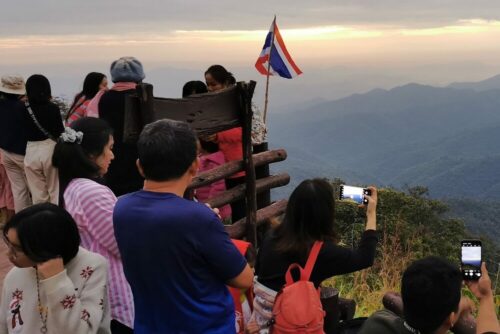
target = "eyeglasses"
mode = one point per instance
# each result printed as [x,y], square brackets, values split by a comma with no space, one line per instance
[13,249]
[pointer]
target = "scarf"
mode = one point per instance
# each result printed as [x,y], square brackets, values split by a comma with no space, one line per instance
[93,107]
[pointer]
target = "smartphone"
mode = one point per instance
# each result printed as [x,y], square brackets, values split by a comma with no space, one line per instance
[356,194]
[471,259]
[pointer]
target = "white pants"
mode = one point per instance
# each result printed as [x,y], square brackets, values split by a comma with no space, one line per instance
[14,167]
[43,178]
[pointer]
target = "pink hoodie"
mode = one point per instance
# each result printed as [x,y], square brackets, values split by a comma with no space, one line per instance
[208,162]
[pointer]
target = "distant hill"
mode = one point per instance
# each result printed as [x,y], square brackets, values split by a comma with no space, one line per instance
[490,83]
[446,139]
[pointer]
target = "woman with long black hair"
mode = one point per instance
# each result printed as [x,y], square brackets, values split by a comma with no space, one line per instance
[309,217]
[43,126]
[93,83]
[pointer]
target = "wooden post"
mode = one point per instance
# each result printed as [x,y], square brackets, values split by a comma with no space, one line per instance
[264,198]
[145,93]
[246,93]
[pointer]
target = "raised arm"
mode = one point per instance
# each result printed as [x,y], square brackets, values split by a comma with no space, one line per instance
[486,321]
[70,310]
[371,210]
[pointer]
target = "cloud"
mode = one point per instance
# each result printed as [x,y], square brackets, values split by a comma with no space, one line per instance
[93,17]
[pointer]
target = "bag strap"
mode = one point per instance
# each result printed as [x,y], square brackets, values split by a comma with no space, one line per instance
[38,125]
[311,260]
[305,273]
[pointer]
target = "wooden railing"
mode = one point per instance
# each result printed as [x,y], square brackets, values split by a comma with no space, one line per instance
[208,114]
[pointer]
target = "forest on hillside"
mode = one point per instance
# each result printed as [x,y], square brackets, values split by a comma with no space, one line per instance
[411,226]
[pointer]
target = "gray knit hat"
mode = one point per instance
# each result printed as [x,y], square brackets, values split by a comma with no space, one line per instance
[127,69]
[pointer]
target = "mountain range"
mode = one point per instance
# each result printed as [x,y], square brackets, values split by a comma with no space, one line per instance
[444,138]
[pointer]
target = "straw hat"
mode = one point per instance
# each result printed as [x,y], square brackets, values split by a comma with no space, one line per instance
[12,84]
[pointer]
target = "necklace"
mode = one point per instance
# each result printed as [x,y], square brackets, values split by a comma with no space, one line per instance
[42,310]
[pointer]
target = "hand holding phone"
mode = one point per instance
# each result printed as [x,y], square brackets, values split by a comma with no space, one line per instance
[356,194]
[482,287]
[471,260]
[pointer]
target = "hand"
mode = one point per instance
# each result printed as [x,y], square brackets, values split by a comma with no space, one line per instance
[215,210]
[482,287]
[252,328]
[372,201]
[50,268]
[465,306]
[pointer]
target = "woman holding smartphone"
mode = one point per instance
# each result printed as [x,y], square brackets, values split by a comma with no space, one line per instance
[56,286]
[309,217]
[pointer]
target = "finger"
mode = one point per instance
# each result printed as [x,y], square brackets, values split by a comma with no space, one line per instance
[484,271]
[371,198]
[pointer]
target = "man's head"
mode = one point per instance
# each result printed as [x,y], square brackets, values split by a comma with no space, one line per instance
[167,150]
[431,293]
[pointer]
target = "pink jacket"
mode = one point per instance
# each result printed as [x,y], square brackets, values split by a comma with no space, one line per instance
[208,162]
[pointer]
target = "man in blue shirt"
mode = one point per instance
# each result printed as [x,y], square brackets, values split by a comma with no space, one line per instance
[176,254]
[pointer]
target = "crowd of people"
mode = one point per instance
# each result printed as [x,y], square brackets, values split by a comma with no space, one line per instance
[104,240]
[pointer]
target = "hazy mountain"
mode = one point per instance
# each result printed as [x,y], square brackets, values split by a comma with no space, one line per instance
[490,83]
[443,138]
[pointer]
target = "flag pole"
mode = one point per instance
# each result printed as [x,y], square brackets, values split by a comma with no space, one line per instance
[268,71]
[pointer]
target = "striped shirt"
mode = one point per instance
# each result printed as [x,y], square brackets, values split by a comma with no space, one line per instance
[78,111]
[91,205]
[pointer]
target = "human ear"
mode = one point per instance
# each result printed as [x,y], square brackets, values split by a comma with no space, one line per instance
[139,168]
[193,169]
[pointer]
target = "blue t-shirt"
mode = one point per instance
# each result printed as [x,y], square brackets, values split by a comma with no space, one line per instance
[177,257]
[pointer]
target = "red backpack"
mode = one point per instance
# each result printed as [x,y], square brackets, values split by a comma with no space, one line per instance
[297,307]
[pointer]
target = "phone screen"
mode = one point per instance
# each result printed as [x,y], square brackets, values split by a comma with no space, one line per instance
[471,259]
[356,194]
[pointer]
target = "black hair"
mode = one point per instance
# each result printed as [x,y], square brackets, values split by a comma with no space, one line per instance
[166,149]
[38,89]
[431,291]
[45,232]
[209,146]
[73,160]
[194,87]
[90,88]
[309,216]
[221,75]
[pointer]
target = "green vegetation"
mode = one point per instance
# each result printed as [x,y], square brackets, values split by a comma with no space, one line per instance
[411,226]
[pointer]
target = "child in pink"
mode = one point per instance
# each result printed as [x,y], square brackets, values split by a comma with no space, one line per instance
[211,157]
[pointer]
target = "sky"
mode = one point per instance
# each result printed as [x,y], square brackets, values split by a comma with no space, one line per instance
[343,47]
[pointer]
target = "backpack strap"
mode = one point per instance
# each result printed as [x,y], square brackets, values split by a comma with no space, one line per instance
[306,272]
[311,260]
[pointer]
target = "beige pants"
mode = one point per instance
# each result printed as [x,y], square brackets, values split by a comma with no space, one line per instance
[43,179]
[14,167]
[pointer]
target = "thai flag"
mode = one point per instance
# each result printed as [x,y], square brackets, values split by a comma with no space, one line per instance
[275,51]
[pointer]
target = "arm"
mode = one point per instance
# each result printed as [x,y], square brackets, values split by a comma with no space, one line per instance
[371,211]
[4,311]
[224,258]
[97,204]
[486,320]
[346,260]
[244,280]
[55,122]
[72,311]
